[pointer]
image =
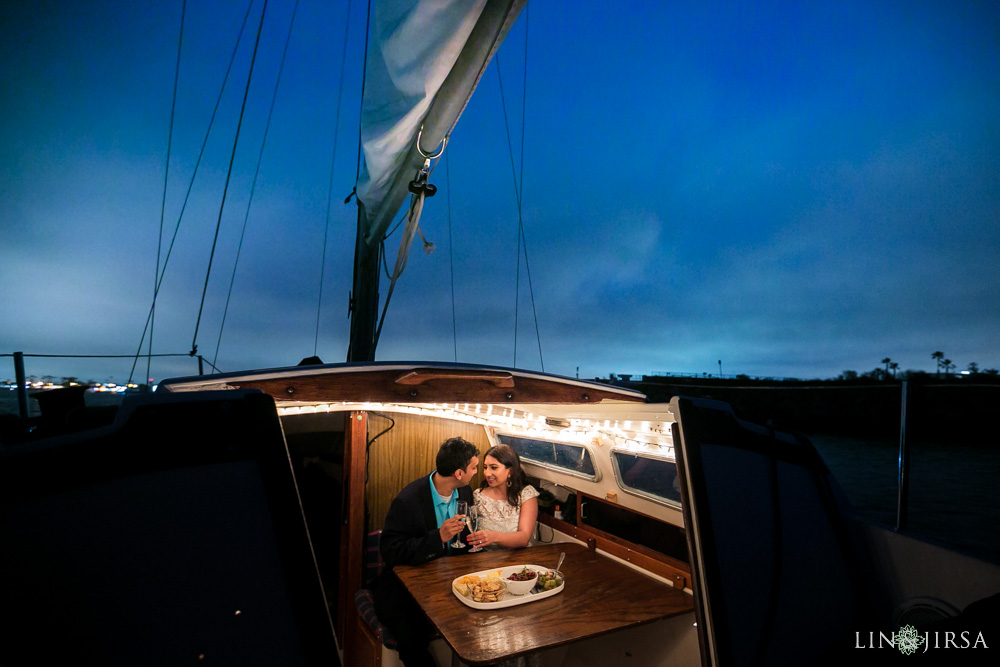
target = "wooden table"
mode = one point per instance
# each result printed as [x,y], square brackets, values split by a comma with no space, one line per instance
[601,595]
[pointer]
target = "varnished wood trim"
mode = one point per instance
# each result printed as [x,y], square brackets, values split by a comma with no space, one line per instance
[368,651]
[669,568]
[640,549]
[352,531]
[381,386]
[422,375]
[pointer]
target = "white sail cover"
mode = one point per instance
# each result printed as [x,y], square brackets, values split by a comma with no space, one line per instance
[415,44]
[425,61]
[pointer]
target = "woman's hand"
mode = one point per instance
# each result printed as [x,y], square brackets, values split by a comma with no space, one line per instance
[482,538]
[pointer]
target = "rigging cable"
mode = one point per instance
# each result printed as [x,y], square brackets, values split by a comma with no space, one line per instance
[517,196]
[420,189]
[381,245]
[225,188]
[520,195]
[187,195]
[402,217]
[451,255]
[416,208]
[333,158]
[518,190]
[519,184]
[253,185]
[163,200]
[364,79]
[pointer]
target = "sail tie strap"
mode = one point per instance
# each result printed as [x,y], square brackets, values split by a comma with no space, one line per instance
[420,189]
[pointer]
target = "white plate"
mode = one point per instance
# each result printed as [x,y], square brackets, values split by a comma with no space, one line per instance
[508,599]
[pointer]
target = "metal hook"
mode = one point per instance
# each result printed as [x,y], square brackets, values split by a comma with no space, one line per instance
[428,156]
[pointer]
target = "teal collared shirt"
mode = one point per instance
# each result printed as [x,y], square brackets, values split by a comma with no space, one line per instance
[444,508]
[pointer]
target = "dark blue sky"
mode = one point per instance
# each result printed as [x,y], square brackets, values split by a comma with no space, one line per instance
[796,189]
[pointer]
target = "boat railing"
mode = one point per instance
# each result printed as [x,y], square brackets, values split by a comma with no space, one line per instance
[906,451]
[21,379]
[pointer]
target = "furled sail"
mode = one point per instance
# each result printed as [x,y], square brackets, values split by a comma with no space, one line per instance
[425,59]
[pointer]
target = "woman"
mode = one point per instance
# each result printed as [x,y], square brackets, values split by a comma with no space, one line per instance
[507,505]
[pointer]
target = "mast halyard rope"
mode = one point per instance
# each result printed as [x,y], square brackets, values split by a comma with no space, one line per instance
[229,173]
[329,194]
[187,195]
[253,186]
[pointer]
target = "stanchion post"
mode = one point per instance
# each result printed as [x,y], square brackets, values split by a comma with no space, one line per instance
[22,391]
[902,501]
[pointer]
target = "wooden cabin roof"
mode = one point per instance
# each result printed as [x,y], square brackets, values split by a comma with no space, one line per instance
[410,382]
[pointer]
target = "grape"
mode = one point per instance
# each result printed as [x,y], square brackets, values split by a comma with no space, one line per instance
[524,575]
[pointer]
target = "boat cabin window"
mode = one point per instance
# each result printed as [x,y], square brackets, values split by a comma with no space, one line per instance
[649,477]
[564,457]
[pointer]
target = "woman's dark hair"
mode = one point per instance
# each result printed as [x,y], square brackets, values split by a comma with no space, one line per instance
[507,457]
[455,454]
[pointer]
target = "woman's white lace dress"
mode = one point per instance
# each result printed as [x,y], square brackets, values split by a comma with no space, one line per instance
[500,515]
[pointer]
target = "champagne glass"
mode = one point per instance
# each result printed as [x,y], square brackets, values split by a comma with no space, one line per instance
[474,526]
[461,508]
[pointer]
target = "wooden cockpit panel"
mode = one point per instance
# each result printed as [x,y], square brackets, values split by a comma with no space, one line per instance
[432,385]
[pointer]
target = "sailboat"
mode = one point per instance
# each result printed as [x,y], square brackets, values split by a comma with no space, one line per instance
[224,517]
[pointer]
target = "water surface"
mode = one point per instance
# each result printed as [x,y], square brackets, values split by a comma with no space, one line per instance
[953,498]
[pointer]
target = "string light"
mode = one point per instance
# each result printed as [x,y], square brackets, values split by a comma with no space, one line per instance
[650,439]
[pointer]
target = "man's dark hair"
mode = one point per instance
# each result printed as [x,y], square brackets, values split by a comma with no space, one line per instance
[455,454]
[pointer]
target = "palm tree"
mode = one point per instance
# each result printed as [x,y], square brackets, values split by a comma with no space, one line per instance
[947,366]
[938,357]
[893,365]
[973,368]
[887,361]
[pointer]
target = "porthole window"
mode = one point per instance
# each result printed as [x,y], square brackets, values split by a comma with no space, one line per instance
[564,457]
[649,477]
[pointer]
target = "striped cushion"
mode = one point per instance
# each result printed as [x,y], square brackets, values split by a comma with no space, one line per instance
[373,564]
[366,609]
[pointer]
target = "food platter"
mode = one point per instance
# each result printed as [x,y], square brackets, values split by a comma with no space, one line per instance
[508,599]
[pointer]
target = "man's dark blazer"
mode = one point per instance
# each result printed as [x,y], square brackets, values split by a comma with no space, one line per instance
[409,537]
[410,534]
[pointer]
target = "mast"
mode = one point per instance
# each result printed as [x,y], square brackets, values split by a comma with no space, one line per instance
[364,294]
[452,56]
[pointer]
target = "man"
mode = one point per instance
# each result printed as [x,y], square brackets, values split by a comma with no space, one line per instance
[420,523]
